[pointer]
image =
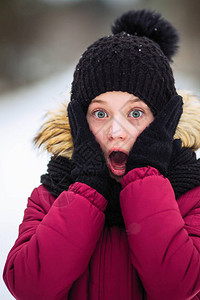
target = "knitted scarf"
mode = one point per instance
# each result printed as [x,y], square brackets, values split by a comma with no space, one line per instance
[183,173]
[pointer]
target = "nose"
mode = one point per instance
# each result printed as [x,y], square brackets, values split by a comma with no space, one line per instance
[116,130]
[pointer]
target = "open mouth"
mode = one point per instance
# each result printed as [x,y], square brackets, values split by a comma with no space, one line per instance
[117,162]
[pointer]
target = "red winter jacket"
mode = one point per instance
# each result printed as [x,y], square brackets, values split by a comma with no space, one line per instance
[64,251]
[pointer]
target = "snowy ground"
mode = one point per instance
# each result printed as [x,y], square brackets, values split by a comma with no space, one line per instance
[21,114]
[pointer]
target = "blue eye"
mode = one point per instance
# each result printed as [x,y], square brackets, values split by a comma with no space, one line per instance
[100,114]
[135,114]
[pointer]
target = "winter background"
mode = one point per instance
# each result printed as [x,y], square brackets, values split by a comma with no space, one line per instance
[41,42]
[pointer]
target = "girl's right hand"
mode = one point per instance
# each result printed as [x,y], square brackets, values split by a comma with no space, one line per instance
[90,165]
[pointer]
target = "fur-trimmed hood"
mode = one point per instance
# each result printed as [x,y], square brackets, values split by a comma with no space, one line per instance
[55,135]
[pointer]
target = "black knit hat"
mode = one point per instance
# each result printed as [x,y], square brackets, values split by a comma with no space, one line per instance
[134,59]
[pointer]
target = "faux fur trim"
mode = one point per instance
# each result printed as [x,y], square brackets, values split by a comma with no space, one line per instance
[188,129]
[55,136]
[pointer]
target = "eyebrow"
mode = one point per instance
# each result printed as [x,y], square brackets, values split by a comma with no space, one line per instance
[134,100]
[103,101]
[98,101]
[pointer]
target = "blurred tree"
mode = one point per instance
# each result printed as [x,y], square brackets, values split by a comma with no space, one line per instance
[41,37]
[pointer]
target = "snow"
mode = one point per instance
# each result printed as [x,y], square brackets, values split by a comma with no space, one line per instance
[21,115]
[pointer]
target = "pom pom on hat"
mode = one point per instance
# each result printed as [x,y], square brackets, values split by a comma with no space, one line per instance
[134,59]
[152,25]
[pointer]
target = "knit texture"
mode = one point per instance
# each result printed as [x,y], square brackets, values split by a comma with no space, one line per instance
[127,62]
[89,161]
[184,171]
[58,177]
[183,174]
[154,145]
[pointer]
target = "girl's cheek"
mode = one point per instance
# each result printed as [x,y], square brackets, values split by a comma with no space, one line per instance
[137,126]
[133,133]
[99,134]
[133,128]
[98,131]
[137,123]
[93,124]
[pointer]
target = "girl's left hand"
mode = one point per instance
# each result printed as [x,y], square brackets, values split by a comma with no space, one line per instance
[154,145]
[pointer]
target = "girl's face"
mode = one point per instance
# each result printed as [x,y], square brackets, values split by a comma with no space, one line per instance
[116,119]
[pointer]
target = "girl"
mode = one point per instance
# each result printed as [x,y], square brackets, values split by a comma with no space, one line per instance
[117,214]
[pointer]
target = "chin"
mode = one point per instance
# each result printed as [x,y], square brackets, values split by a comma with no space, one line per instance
[117,178]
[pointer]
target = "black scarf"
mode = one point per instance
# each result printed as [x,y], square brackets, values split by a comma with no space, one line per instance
[183,173]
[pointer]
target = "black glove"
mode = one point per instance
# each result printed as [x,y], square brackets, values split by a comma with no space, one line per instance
[90,165]
[154,145]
